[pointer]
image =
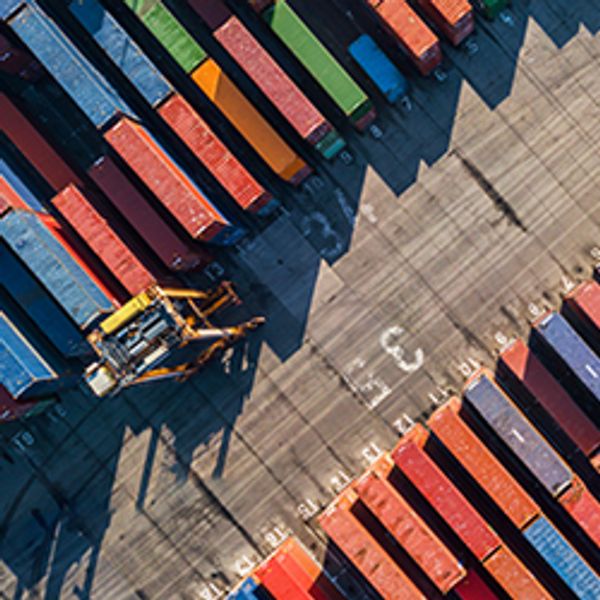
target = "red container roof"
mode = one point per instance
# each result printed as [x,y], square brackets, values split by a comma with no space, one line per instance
[34,147]
[165,179]
[519,361]
[213,154]
[584,508]
[427,477]
[585,299]
[474,456]
[103,240]
[364,552]
[407,528]
[451,10]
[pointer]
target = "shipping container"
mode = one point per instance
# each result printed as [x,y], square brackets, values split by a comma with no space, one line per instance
[104,241]
[179,195]
[9,7]
[584,509]
[54,267]
[15,61]
[321,64]
[481,464]
[564,560]
[23,180]
[513,576]
[531,384]
[86,86]
[216,157]
[410,32]
[511,426]
[582,309]
[260,5]
[382,573]
[23,371]
[491,8]
[571,359]
[11,409]
[472,587]
[34,147]
[247,590]
[211,79]
[291,573]
[269,77]
[32,298]
[115,41]
[12,191]
[379,68]
[454,18]
[407,528]
[174,252]
[412,460]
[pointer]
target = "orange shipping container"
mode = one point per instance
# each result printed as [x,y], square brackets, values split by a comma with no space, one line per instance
[514,577]
[364,552]
[454,17]
[584,509]
[482,465]
[264,139]
[407,528]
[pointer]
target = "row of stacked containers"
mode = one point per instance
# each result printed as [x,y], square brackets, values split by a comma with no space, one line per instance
[496,497]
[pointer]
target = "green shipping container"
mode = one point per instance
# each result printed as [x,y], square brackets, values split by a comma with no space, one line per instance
[490,8]
[318,61]
[169,32]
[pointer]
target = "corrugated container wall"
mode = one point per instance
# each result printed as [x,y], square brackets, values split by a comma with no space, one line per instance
[106,244]
[454,18]
[52,265]
[581,504]
[495,409]
[559,554]
[86,86]
[530,383]
[175,253]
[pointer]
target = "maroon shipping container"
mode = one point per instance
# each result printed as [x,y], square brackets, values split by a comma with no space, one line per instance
[407,528]
[260,5]
[34,147]
[165,180]
[268,76]
[103,240]
[10,409]
[364,552]
[18,62]
[410,457]
[472,587]
[172,250]
[584,508]
[214,155]
[530,383]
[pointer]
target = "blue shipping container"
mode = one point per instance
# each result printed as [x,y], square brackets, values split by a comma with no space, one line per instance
[23,371]
[37,303]
[522,438]
[380,69]
[19,186]
[54,267]
[8,7]
[246,591]
[127,55]
[554,337]
[557,552]
[88,88]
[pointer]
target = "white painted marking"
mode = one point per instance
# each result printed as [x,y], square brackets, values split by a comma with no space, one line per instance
[215,269]
[342,201]
[387,341]
[404,424]
[307,509]
[209,591]
[472,47]
[567,284]
[346,157]
[276,536]
[501,339]
[326,232]
[369,212]
[507,18]
[595,252]
[22,440]
[244,565]
[371,453]
[440,74]
[376,132]
[591,371]
[366,387]
[339,481]
[534,309]
[406,103]
[518,435]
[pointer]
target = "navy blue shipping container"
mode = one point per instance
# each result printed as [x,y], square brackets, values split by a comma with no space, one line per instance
[23,371]
[249,590]
[127,55]
[559,554]
[37,303]
[18,184]
[559,345]
[514,429]
[54,267]
[86,86]
[380,69]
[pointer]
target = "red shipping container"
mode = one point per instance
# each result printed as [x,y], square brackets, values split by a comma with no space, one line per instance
[9,198]
[482,465]
[165,180]
[454,18]
[364,552]
[171,249]
[34,147]
[10,409]
[214,155]
[472,587]
[269,77]
[584,302]
[417,40]
[411,458]
[514,577]
[290,573]
[407,528]
[103,240]
[584,508]
[529,380]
